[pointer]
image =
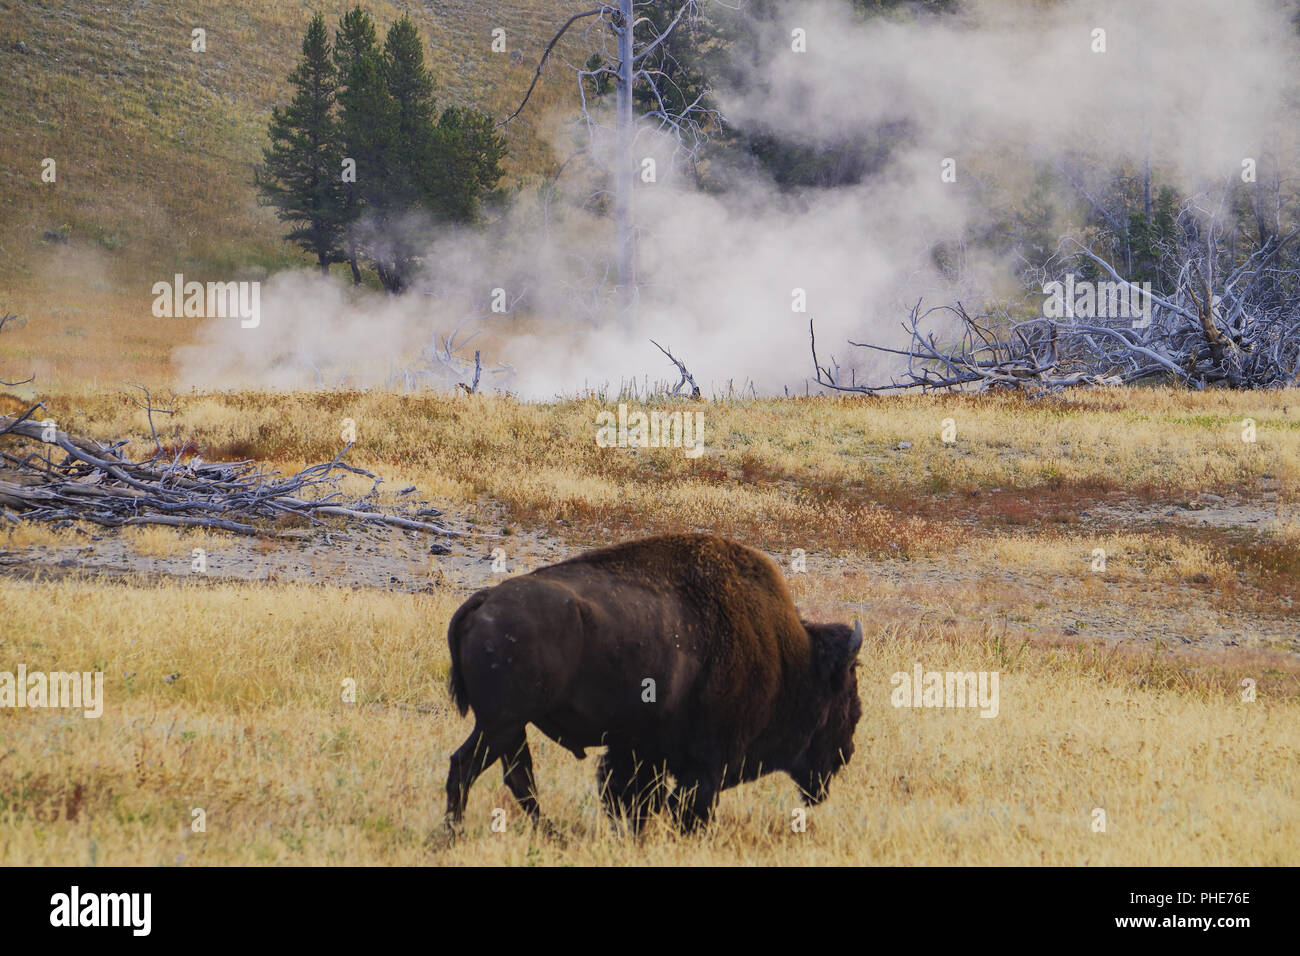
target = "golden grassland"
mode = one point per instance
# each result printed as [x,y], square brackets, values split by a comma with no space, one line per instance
[254,732]
[1024,488]
[943,545]
[786,471]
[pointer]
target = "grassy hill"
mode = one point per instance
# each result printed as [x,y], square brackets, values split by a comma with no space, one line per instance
[155,144]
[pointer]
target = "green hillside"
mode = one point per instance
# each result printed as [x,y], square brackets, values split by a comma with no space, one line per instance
[155,144]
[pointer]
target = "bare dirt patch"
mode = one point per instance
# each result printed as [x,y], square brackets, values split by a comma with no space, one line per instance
[1254,512]
[385,558]
[963,588]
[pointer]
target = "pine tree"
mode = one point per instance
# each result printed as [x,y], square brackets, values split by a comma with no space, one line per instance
[680,64]
[365,119]
[300,175]
[411,87]
[407,160]
[1149,239]
[411,146]
[466,164]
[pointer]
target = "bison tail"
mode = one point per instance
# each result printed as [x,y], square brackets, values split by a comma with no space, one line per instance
[455,630]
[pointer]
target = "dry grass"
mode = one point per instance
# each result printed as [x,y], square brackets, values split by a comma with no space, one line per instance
[25,535]
[818,472]
[254,732]
[157,541]
[1130,558]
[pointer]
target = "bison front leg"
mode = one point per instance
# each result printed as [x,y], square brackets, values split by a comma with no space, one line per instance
[693,799]
[631,788]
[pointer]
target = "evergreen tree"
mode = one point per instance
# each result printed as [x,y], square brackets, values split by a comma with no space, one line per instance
[300,176]
[365,114]
[873,7]
[409,138]
[370,130]
[702,56]
[362,148]
[679,65]
[411,87]
[1149,238]
[466,166]
[407,161]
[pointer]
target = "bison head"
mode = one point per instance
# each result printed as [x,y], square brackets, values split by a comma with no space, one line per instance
[835,651]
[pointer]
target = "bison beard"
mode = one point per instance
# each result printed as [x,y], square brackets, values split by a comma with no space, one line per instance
[742,686]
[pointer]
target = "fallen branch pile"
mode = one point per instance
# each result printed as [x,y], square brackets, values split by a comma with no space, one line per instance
[94,482]
[1226,320]
[980,357]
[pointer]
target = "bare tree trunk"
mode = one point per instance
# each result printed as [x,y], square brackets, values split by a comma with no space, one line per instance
[684,124]
[352,262]
[623,166]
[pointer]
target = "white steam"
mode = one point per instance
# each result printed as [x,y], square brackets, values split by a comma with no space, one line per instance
[1003,89]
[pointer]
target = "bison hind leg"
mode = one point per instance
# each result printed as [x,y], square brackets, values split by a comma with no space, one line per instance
[694,799]
[479,751]
[465,766]
[631,787]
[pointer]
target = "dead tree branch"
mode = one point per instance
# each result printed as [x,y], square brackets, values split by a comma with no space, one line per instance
[1222,319]
[95,482]
[149,410]
[478,368]
[686,376]
[9,317]
[546,55]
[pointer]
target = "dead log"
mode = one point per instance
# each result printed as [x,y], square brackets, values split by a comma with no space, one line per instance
[95,482]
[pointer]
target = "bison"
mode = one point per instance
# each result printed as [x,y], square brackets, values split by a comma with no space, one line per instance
[682,654]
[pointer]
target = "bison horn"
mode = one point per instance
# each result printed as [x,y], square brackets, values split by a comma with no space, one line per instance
[855,641]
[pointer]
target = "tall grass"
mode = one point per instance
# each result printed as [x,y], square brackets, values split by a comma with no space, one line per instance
[228,700]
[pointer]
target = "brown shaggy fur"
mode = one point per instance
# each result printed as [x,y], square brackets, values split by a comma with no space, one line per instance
[742,686]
